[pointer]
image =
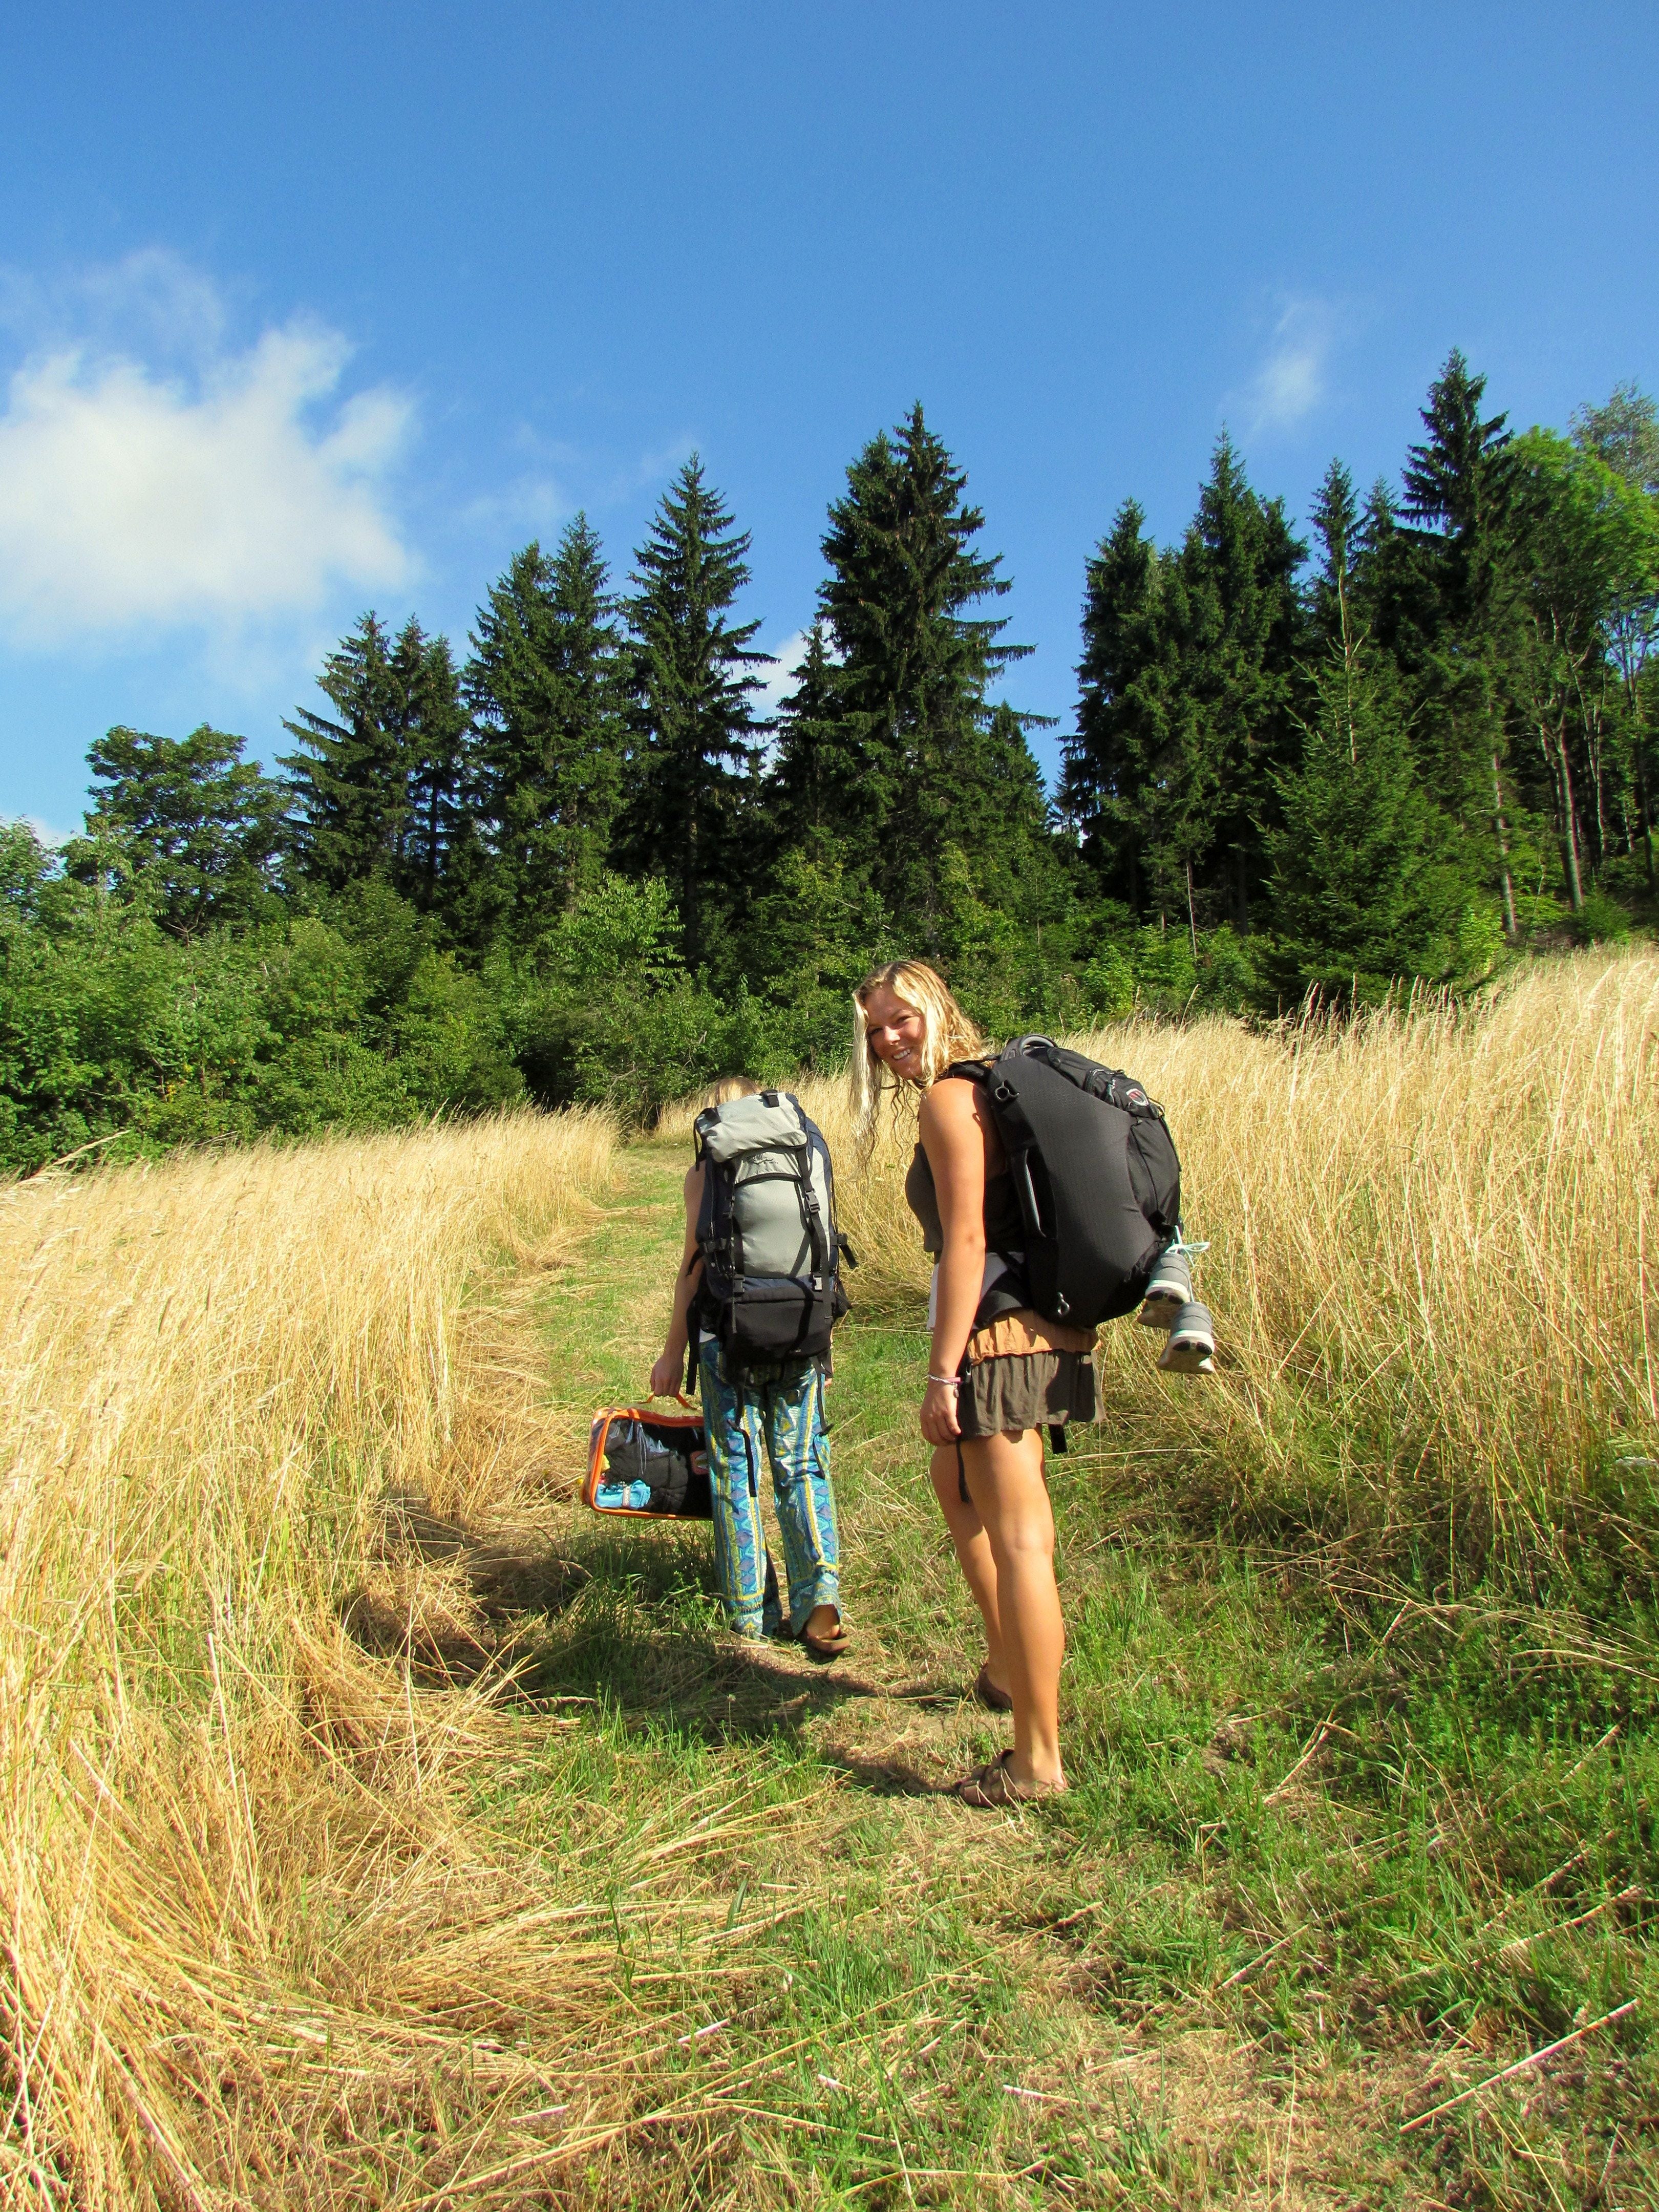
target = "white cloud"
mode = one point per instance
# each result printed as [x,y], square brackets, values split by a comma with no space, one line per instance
[235,490]
[778,674]
[1291,382]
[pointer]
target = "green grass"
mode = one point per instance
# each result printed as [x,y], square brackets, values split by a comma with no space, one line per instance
[1333,1851]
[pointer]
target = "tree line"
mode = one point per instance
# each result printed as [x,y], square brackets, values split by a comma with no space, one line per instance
[578,864]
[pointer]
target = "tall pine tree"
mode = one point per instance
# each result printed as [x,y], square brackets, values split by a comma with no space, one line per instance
[1448,607]
[913,660]
[1185,690]
[439,827]
[545,690]
[1339,527]
[1112,759]
[376,793]
[1244,640]
[815,781]
[691,757]
[1363,889]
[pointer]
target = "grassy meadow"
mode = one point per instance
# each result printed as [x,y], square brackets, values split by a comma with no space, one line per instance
[383,1830]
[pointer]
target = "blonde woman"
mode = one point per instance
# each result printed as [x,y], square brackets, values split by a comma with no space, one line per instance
[991,1387]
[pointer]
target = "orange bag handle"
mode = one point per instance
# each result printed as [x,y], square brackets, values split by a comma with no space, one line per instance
[601,1430]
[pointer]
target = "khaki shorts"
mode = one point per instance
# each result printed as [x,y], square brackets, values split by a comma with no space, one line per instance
[1026,1391]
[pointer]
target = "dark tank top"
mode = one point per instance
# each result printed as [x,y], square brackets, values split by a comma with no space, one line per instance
[1003,1230]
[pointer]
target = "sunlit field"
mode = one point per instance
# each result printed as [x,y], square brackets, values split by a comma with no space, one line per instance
[1432,1257]
[381,1829]
[236,1900]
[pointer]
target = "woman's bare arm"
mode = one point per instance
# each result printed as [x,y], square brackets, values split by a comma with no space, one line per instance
[666,1376]
[958,1140]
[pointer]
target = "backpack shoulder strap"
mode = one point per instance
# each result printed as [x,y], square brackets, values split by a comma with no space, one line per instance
[817,1229]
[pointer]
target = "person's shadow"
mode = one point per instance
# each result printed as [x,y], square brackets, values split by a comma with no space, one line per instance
[626,1617]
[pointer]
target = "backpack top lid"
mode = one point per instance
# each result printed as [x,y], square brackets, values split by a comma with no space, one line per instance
[769,1122]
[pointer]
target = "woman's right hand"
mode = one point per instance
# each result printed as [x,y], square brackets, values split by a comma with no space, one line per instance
[940,1424]
[666,1376]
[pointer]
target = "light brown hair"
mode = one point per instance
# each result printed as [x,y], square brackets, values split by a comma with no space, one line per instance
[948,1035]
[724,1088]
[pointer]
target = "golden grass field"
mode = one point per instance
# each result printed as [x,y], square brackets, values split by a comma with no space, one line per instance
[226,1840]
[249,1911]
[1434,1251]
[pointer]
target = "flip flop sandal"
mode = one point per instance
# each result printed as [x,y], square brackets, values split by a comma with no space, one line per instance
[992,1787]
[826,1648]
[993,1700]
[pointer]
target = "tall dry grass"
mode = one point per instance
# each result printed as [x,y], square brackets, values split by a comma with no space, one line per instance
[1431,1259]
[253,1950]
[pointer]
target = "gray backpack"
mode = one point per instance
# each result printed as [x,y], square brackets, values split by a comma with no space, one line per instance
[771,1252]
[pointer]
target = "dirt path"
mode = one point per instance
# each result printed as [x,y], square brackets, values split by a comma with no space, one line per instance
[894,1711]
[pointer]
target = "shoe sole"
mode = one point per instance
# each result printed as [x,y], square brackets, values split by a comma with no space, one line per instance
[1192,1342]
[1188,1359]
[1159,1310]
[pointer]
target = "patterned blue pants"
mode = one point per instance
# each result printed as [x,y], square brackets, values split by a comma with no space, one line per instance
[779,1410]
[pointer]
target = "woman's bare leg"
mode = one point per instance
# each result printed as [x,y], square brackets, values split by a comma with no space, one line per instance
[1005,1480]
[973,1548]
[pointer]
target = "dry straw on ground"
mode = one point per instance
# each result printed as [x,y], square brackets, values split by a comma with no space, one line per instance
[257,1948]
[253,1950]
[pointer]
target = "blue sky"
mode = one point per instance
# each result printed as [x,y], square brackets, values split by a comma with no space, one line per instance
[309,308]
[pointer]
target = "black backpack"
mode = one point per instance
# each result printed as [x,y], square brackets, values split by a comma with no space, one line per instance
[1096,1173]
[771,1252]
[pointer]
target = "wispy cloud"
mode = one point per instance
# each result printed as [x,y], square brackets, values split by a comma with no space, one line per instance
[1292,380]
[154,476]
[778,674]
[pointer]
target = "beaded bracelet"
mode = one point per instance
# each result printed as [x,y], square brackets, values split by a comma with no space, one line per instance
[951,1382]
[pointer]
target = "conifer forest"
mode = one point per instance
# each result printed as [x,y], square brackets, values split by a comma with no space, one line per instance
[571,861]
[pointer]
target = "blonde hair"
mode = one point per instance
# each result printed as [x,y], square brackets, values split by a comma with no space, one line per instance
[724,1088]
[947,1034]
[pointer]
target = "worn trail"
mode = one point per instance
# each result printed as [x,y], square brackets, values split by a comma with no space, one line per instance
[888,1709]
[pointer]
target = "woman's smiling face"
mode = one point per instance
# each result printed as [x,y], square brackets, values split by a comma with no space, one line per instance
[896,1032]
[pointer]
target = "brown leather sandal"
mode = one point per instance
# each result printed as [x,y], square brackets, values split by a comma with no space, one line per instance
[993,1700]
[992,1787]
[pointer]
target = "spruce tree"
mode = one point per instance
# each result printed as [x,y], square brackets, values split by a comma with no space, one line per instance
[689,719]
[1363,889]
[436,768]
[815,781]
[913,661]
[1244,643]
[1111,761]
[1450,615]
[1339,527]
[377,793]
[349,784]
[544,686]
